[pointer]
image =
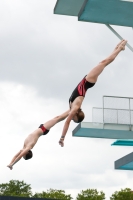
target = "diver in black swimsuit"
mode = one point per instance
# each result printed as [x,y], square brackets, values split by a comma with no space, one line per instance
[81,89]
[77,97]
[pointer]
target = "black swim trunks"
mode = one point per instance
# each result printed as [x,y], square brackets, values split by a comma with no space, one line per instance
[81,89]
[45,131]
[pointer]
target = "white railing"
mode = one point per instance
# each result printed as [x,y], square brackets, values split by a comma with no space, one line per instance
[116,110]
[115,116]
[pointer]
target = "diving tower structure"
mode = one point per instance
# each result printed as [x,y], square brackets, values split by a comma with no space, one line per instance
[108,12]
[113,121]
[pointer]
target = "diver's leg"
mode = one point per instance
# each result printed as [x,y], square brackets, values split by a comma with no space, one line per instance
[96,71]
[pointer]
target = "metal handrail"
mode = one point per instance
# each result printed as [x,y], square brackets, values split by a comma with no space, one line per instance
[114,109]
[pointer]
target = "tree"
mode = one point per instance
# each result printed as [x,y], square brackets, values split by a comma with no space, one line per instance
[90,194]
[55,194]
[15,188]
[124,194]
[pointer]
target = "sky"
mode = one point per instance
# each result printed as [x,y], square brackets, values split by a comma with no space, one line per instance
[42,59]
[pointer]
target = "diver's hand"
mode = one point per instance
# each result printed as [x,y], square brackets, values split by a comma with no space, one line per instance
[10,167]
[61,142]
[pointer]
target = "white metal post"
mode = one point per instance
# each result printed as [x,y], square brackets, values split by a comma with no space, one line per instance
[131,48]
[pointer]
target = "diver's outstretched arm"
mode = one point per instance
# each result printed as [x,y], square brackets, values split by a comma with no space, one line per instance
[49,124]
[17,157]
[66,125]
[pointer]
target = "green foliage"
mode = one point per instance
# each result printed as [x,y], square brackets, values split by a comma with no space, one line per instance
[90,194]
[21,189]
[15,188]
[53,194]
[124,194]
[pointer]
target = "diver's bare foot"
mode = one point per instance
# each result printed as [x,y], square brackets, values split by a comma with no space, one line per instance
[119,44]
[10,167]
[122,45]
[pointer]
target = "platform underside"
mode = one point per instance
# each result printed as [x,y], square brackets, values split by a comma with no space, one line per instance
[113,12]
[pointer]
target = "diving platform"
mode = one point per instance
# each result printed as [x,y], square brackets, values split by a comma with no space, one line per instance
[122,143]
[113,121]
[124,163]
[114,12]
[68,7]
[105,131]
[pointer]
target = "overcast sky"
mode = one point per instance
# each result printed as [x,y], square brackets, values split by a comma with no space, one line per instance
[42,58]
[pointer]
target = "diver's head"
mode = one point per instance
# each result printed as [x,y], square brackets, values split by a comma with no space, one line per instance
[28,155]
[79,116]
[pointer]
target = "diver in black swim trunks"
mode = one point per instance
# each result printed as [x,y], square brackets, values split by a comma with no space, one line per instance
[77,97]
[32,139]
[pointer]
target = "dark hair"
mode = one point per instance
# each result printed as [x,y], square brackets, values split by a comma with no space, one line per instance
[28,155]
[80,116]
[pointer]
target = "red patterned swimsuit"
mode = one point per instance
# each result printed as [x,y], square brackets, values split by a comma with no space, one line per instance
[45,131]
[81,89]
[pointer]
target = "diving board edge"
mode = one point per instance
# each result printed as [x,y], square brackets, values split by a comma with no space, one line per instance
[107,131]
[69,7]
